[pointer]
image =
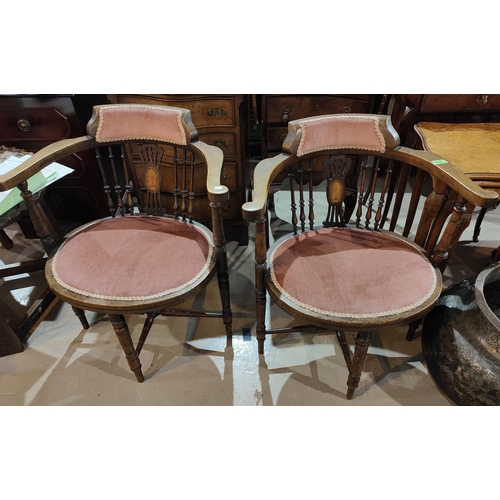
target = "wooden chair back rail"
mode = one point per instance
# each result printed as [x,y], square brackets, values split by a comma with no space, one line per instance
[119,180]
[346,202]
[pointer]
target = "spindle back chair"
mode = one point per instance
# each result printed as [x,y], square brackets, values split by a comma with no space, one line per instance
[151,253]
[348,263]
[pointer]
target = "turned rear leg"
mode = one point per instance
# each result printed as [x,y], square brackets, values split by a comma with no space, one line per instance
[412,328]
[80,314]
[223,281]
[477,227]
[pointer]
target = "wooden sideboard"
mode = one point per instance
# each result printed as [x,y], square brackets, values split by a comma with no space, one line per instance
[31,122]
[219,121]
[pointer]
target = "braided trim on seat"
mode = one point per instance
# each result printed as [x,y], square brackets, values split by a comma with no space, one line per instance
[209,260]
[102,113]
[303,126]
[354,316]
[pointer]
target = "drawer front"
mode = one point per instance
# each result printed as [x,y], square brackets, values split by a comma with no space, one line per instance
[283,109]
[223,140]
[456,103]
[230,177]
[205,111]
[275,137]
[26,125]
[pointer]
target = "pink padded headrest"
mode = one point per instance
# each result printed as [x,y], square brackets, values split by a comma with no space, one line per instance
[341,132]
[140,122]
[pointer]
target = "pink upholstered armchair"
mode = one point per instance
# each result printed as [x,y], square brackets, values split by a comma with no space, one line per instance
[150,254]
[350,263]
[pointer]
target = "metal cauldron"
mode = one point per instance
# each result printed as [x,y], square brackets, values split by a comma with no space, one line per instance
[461,340]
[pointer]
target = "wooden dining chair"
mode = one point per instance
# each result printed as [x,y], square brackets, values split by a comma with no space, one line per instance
[338,269]
[151,254]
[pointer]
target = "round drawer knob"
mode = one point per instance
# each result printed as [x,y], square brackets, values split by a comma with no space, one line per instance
[346,109]
[24,125]
[56,199]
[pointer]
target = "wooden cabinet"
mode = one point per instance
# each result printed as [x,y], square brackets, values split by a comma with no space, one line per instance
[278,109]
[32,122]
[218,119]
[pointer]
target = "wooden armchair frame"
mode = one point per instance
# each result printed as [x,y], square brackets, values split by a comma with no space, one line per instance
[140,132]
[352,206]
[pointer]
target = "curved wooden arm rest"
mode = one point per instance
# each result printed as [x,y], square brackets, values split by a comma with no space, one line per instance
[263,175]
[214,157]
[42,159]
[445,171]
[440,169]
[55,152]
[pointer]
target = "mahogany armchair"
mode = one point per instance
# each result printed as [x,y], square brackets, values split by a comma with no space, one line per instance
[150,254]
[340,269]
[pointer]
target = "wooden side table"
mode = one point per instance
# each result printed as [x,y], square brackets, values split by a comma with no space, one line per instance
[474,148]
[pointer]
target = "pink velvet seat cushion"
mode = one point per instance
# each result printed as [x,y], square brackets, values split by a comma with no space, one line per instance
[133,258]
[352,273]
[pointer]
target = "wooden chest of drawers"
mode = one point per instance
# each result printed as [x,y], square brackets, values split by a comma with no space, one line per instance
[218,121]
[32,122]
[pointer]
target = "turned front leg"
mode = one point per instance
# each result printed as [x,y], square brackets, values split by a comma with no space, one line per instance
[123,334]
[222,267]
[358,361]
[260,281]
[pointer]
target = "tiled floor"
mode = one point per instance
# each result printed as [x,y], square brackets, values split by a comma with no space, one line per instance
[188,361]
